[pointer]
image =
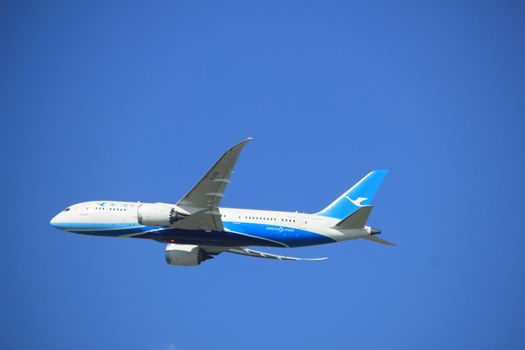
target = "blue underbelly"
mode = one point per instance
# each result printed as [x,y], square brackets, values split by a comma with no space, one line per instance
[285,236]
[235,234]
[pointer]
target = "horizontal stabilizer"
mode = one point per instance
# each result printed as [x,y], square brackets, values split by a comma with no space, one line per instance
[355,220]
[257,254]
[377,239]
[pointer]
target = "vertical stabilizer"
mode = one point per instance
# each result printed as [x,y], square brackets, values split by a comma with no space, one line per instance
[360,195]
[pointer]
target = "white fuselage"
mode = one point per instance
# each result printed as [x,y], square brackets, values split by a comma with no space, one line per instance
[241,226]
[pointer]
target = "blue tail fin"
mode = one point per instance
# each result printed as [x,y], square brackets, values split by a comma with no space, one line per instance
[359,195]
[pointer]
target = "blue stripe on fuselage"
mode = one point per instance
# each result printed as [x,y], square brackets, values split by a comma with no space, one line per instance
[94,226]
[115,232]
[290,236]
[236,234]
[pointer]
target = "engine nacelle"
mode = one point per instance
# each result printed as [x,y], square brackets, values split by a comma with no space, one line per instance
[158,214]
[185,254]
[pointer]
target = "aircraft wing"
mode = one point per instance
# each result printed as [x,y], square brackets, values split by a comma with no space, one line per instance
[208,192]
[257,254]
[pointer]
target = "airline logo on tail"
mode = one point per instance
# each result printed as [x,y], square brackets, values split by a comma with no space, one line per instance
[357,202]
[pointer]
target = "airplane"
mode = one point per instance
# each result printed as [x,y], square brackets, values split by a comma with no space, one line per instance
[196,228]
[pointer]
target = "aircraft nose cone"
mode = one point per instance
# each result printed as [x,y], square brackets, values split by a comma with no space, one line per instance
[55,222]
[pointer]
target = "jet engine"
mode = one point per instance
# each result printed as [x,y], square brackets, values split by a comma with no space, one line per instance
[158,214]
[185,254]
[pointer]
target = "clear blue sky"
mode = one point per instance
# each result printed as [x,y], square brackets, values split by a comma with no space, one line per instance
[135,100]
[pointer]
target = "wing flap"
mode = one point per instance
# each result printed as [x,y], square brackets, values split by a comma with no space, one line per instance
[258,254]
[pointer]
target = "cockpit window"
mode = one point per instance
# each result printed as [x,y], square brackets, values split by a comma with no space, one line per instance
[67,209]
